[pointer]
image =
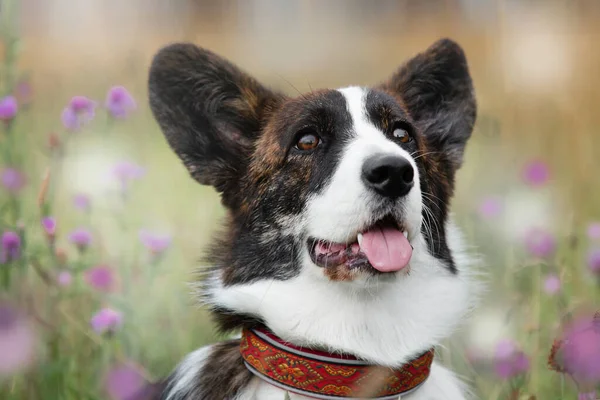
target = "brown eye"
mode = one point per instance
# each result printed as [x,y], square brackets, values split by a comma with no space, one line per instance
[308,141]
[401,134]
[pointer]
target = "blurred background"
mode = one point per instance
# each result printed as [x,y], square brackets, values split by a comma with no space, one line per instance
[103,228]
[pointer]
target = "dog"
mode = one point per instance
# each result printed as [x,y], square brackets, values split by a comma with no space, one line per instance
[338,261]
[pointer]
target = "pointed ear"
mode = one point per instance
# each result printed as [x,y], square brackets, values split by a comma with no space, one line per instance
[210,112]
[436,88]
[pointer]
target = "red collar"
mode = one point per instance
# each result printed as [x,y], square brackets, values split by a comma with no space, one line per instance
[323,375]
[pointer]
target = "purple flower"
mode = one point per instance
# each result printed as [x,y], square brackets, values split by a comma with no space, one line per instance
[594,230]
[490,207]
[81,202]
[540,243]
[64,278]
[49,225]
[106,320]
[24,92]
[156,243]
[100,278]
[587,396]
[581,351]
[123,382]
[552,284]
[12,180]
[536,173]
[593,261]
[8,108]
[11,247]
[119,102]
[79,112]
[17,342]
[81,238]
[127,171]
[509,361]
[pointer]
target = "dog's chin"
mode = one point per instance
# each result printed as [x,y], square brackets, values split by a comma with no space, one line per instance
[380,253]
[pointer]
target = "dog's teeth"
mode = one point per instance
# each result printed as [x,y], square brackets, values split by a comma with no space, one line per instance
[405,233]
[359,239]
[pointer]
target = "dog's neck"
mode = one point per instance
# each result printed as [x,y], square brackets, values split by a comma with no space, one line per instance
[386,325]
[325,375]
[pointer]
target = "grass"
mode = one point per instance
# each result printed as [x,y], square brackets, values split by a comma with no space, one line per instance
[521,118]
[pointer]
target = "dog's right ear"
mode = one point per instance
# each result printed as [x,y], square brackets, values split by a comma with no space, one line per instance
[210,112]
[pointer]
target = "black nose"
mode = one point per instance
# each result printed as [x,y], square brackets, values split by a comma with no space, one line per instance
[390,176]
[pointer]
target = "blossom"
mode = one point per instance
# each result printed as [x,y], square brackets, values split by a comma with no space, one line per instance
[581,351]
[593,260]
[593,230]
[24,92]
[156,243]
[81,238]
[49,225]
[587,396]
[126,171]
[123,382]
[540,243]
[12,179]
[81,202]
[17,341]
[552,284]
[11,247]
[8,108]
[119,102]
[490,207]
[509,361]
[79,112]
[100,278]
[64,278]
[106,320]
[536,173]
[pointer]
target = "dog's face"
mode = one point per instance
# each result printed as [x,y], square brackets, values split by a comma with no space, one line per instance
[336,182]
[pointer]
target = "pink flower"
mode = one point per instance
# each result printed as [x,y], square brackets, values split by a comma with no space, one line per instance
[106,320]
[12,180]
[17,342]
[540,243]
[49,225]
[581,351]
[126,171]
[593,260]
[156,243]
[119,102]
[81,238]
[509,361]
[587,396]
[123,382]
[100,278]
[64,278]
[536,173]
[81,202]
[490,207]
[552,284]
[10,247]
[78,113]
[8,108]
[24,92]
[594,230]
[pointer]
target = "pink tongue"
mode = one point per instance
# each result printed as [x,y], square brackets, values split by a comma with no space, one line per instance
[386,248]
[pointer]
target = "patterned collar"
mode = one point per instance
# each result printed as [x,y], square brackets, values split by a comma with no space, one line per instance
[323,375]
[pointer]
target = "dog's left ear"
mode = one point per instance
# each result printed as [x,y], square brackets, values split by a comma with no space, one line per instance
[436,88]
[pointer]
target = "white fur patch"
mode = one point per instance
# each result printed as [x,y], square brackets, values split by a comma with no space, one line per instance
[386,325]
[187,372]
[347,204]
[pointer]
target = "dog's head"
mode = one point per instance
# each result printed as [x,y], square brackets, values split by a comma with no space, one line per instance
[349,187]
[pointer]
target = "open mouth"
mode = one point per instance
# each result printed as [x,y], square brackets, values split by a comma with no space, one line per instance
[384,247]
